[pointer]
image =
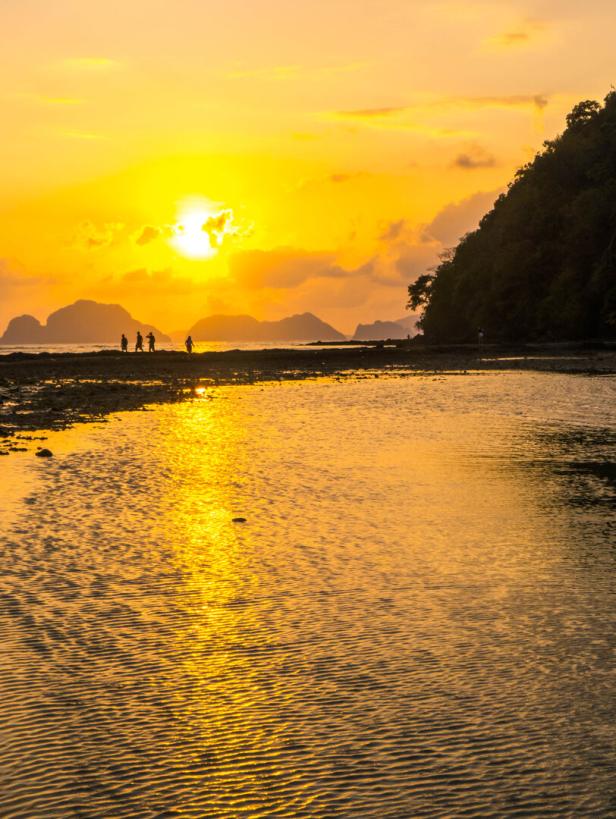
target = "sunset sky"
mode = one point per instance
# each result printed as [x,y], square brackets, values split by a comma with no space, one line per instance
[264,156]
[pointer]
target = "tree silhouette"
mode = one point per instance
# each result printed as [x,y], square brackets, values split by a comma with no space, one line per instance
[542,263]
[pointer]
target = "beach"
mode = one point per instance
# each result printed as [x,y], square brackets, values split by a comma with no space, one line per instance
[51,391]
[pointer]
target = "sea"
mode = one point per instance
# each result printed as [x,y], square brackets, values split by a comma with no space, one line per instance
[199,346]
[378,596]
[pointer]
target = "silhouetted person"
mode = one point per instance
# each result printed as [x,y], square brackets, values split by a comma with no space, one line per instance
[139,343]
[189,344]
[124,344]
[151,342]
[480,336]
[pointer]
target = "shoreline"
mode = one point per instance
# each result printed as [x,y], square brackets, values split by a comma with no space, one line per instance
[51,391]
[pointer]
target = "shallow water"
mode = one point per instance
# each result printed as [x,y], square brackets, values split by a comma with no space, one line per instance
[199,346]
[416,619]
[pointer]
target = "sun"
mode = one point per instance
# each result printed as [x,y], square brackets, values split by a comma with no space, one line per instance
[191,237]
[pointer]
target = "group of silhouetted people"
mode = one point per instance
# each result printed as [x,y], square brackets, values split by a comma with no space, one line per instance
[151,343]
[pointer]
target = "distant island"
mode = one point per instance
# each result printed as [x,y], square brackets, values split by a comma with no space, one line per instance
[84,322]
[381,330]
[542,264]
[304,327]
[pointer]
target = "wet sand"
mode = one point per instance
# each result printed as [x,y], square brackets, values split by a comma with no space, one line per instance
[49,391]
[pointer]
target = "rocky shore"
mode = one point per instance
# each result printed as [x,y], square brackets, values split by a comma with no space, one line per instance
[49,391]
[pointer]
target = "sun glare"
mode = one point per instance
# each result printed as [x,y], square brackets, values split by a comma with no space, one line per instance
[191,238]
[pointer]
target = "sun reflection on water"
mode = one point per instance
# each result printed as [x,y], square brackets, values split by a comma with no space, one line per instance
[402,594]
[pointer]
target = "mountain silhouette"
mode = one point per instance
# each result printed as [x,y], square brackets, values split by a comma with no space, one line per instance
[84,322]
[304,327]
[380,330]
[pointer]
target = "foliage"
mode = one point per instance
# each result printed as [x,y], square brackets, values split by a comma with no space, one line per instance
[542,263]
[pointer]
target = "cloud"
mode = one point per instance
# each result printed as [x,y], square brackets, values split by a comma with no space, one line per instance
[280,268]
[444,105]
[393,231]
[13,277]
[90,236]
[406,251]
[536,101]
[473,158]
[163,282]
[435,117]
[219,225]
[456,219]
[371,113]
[510,38]
[147,234]
[524,34]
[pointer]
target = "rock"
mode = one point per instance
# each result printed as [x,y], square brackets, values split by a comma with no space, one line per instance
[44,453]
[238,520]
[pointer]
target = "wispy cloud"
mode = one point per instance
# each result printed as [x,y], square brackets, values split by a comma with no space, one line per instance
[402,118]
[525,34]
[372,113]
[418,117]
[536,101]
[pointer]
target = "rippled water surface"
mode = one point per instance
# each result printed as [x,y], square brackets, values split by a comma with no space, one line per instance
[416,619]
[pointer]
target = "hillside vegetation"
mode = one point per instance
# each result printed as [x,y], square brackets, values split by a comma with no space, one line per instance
[542,263]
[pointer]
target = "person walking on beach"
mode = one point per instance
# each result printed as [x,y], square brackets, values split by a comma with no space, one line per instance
[189,344]
[139,342]
[124,344]
[151,342]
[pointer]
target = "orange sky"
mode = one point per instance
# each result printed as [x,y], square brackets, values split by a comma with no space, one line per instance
[330,148]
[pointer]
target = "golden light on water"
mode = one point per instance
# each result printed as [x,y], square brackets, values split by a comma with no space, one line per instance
[271,664]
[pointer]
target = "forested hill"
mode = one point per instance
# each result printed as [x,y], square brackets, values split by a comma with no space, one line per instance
[542,263]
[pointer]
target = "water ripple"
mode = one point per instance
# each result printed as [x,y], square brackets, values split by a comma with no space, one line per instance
[416,619]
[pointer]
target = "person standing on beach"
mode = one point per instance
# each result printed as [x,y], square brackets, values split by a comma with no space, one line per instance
[124,344]
[189,344]
[151,342]
[139,342]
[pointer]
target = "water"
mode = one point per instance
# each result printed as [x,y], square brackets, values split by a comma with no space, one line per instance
[416,619]
[199,347]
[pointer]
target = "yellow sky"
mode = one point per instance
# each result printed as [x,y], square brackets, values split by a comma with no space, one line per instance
[336,145]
